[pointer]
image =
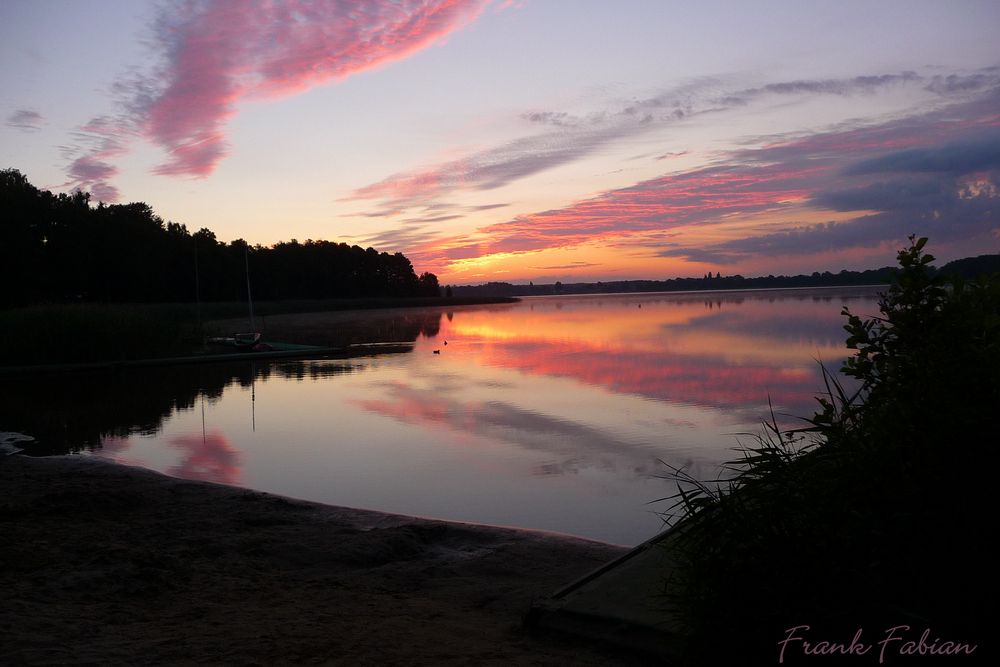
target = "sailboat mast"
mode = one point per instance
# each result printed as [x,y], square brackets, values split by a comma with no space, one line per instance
[246,261]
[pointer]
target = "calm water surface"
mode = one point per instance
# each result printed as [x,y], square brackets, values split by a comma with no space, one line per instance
[553,413]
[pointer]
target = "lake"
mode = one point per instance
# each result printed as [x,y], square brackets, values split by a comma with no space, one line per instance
[555,413]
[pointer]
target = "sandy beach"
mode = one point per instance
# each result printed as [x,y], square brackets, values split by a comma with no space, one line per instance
[106,564]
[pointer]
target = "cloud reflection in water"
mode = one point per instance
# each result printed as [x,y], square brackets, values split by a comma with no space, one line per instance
[687,373]
[572,444]
[209,457]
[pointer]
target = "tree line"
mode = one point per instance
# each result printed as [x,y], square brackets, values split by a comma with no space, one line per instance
[57,248]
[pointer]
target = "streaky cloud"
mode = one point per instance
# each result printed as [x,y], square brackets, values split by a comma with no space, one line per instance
[557,118]
[858,85]
[90,173]
[935,173]
[569,138]
[402,239]
[26,120]
[979,153]
[669,201]
[486,170]
[960,83]
[701,255]
[433,218]
[563,267]
[91,168]
[885,195]
[218,53]
[488,207]
[949,191]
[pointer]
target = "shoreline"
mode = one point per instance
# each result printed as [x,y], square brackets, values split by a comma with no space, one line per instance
[95,336]
[302,352]
[104,563]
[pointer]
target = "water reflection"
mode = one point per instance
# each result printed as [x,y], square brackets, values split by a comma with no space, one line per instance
[84,411]
[207,456]
[730,351]
[703,379]
[344,328]
[554,413]
[572,444]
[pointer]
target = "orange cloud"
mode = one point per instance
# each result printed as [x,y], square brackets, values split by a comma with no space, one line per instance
[859,189]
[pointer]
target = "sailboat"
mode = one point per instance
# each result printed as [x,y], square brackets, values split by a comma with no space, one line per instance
[245,342]
[249,340]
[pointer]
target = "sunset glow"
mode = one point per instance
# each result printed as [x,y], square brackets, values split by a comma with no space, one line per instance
[663,351]
[495,141]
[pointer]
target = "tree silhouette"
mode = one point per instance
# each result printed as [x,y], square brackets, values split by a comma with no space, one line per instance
[59,248]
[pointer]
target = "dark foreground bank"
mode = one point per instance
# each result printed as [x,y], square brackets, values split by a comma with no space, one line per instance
[105,564]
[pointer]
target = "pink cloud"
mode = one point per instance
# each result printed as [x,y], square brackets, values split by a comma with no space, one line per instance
[408,187]
[91,174]
[693,197]
[105,138]
[217,53]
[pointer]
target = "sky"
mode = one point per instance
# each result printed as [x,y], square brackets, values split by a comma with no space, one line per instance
[525,140]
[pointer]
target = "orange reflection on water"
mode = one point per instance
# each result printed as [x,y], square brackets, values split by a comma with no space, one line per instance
[596,323]
[716,350]
[699,379]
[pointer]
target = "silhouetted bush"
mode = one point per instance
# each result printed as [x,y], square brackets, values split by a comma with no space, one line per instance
[876,513]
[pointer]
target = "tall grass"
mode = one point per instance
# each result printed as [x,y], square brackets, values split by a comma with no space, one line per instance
[873,514]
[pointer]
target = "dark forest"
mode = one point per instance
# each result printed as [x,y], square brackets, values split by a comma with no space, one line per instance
[60,249]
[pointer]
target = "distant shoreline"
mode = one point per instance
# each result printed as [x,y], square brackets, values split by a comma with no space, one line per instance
[967,268]
[646,287]
[732,290]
